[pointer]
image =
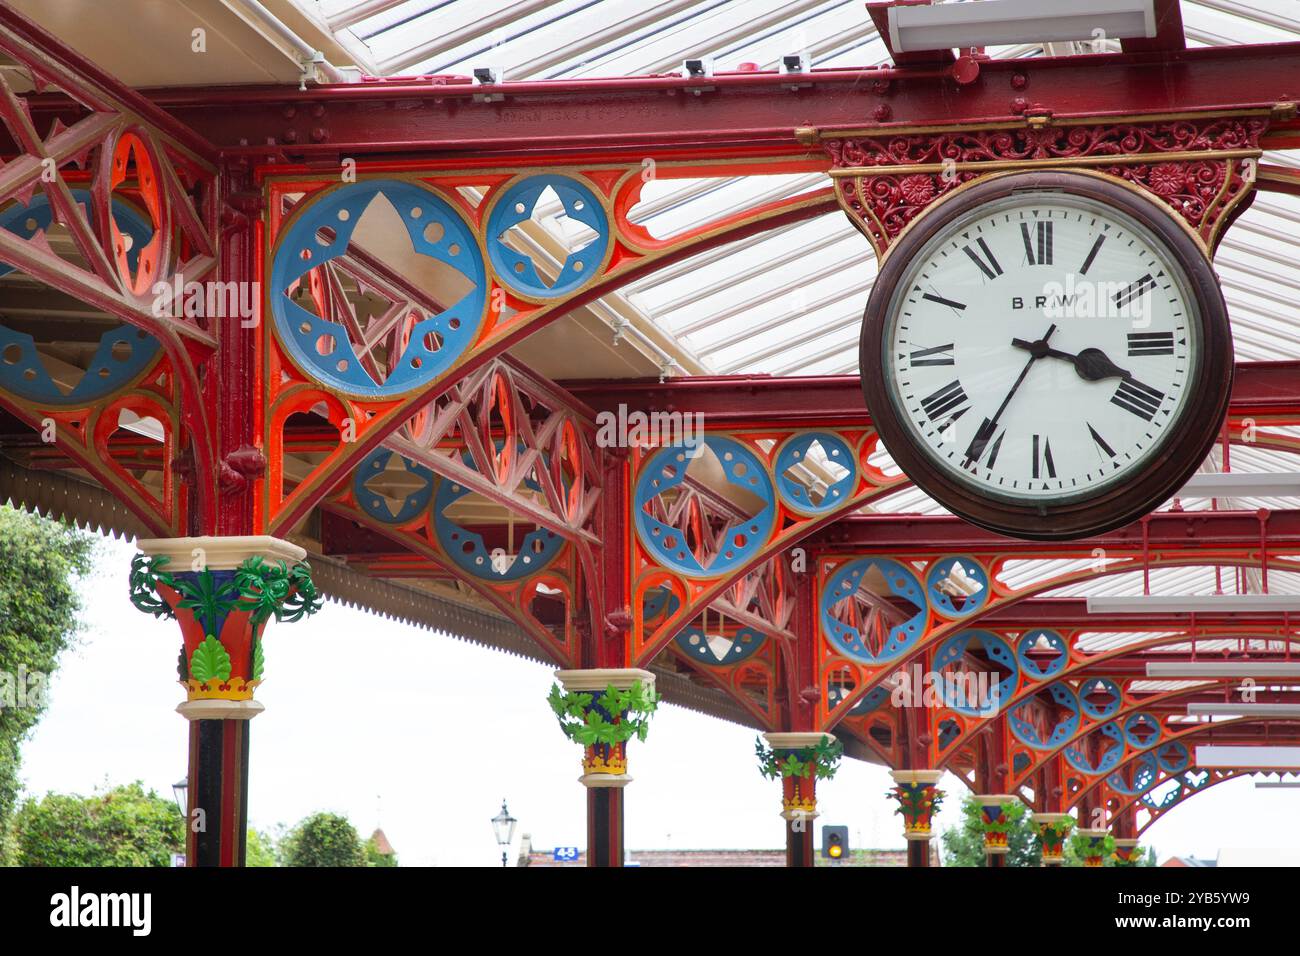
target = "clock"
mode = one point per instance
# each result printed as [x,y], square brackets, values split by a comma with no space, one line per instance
[1047,354]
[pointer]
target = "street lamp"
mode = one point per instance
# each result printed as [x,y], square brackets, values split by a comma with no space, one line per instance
[503,824]
[178,791]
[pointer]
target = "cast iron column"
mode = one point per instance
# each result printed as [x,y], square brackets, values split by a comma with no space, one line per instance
[917,792]
[604,765]
[222,591]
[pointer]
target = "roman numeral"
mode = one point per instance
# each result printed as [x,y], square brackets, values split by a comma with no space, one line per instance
[1101,442]
[1092,254]
[1151,343]
[1043,457]
[1042,255]
[988,264]
[984,438]
[942,301]
[946,404]
[1142,400]
[1131,293]
[939,355]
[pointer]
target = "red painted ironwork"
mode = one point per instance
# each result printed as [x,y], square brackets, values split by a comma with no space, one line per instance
[253,441]
[760,110]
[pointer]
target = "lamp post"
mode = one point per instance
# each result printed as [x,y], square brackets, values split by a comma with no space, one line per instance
[503,825]
[180,790]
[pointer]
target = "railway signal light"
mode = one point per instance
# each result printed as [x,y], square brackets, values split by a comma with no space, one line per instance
[835,842]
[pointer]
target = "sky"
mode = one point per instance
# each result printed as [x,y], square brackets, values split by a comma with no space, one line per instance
[424,735]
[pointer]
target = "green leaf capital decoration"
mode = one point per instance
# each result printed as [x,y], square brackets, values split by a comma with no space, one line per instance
[210,661]
[822,760]
[615,717]
[259,659]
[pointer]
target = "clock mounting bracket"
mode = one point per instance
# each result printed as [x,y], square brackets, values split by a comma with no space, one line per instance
[1200,166]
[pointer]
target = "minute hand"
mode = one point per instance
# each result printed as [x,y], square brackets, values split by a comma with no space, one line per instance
[1091,364]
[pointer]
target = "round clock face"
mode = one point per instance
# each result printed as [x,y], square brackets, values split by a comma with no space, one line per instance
[1041,351]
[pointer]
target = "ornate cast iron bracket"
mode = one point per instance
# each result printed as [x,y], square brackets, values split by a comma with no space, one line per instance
[1201,166]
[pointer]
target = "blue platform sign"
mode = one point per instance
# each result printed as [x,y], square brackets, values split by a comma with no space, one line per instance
[565,854]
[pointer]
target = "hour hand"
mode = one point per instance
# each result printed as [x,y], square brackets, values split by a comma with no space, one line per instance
[1091,364]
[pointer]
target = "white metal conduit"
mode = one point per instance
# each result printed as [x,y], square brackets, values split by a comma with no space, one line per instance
[307,55]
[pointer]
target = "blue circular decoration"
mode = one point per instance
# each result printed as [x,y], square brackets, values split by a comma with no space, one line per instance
[1035,639]
[989,700]
[794,493]
[123,353]
[1173,757]
[868,702]
[1142,730]
[1031,734]
[321,231]
[467,549]
[1135,779]
[516,205]
[1098,710]
[696,644]
[891,576]
[1109,759]
[373,504]
[942,596]
[666,469]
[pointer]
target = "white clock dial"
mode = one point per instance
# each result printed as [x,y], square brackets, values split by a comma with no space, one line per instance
[1040,347]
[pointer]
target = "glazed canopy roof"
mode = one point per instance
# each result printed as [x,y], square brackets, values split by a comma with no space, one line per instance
[790,301]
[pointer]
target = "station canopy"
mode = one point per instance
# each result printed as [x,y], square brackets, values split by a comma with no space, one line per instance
[786,303]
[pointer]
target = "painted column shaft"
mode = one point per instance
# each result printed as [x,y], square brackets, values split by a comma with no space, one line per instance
[216,835]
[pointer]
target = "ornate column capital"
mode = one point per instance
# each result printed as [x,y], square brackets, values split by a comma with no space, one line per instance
[602,709]
[918,800]
[800,759]
[222,591]
[995,821]
[1053,828]
[1093,845]
[1126,851]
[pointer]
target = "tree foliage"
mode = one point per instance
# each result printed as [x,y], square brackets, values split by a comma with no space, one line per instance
[123,827]
[323,839]
[38,621]
[375,858]
[261,849]
[964,846]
